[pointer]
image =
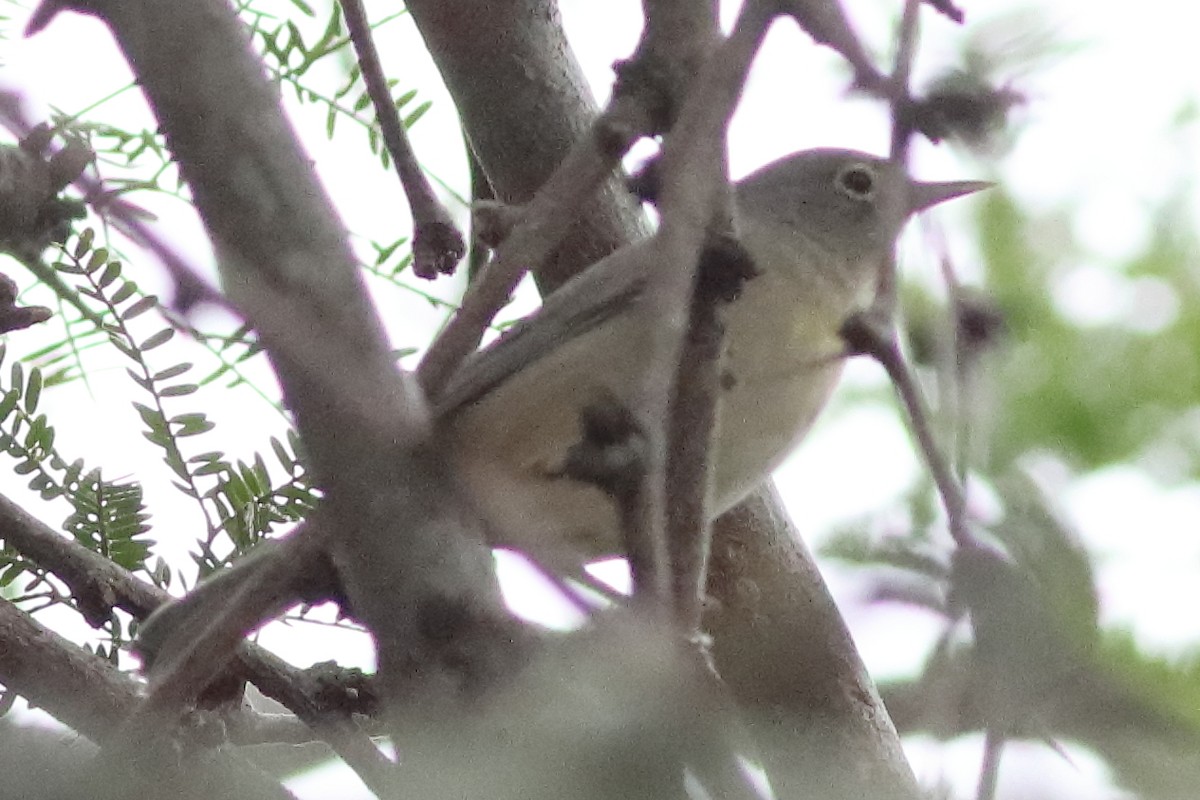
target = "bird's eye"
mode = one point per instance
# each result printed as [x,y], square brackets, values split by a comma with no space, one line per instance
[858,181]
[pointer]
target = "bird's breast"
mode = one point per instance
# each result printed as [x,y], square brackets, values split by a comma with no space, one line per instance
[783,358]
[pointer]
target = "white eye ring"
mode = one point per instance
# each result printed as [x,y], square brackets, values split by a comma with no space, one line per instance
[857,181]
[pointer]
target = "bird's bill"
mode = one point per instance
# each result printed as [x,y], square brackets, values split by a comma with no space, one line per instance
[925,195]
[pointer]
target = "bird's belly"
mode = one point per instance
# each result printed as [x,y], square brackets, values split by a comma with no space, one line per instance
[761,422]
[509,449]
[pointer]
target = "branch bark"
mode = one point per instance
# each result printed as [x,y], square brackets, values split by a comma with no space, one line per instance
[94,698]
[98,586]
[782,647]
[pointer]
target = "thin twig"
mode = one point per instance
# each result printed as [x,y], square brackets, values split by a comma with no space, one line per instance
[906,48]
[724,266]
[693,187]
[869,335]
[827,24]
[989,772]
[437,243]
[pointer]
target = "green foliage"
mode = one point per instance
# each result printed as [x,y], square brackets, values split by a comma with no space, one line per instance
[107,517]
[110,518]
[237,500]
[291,56]
[1098,394]
[121,303]
[1085,395]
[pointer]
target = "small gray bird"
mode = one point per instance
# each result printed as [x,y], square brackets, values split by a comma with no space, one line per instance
[817,225]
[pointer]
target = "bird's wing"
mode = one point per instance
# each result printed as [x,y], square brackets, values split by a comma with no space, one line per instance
[600,293]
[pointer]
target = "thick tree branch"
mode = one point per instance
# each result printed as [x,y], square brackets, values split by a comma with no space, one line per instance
[94,698]
[781,646]
[99,586]
[77,687]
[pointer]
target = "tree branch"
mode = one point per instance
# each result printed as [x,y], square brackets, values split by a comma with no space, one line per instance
[506,77]
[99,586]
[94,698]
[781,646]
[409,554]
[437,243]
[692,183]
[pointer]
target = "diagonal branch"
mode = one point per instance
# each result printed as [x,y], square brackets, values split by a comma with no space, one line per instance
[692,186]
[99,586]
[93,697]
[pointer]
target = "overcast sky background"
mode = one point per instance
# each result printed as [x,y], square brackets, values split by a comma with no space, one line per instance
[1094,129]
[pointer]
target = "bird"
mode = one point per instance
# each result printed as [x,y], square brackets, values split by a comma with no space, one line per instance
[817,226]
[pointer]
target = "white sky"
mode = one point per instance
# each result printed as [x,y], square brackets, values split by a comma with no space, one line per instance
[1094,129]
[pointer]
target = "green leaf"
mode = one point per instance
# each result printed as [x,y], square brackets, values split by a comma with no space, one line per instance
[111,272]
[71,477]
[139,379]
[282,454]
[193,425]
[214,468]
[152,417]
[84,244]
[158,339]
[127,290]
[236,490]
[96,260]
[159,438]
[33,391]
[172,372]
[12,572]
[417,113]
[175,463]
[51,491]
[118,342]
[140,307]
[179,390]
[405,98]
[40,434]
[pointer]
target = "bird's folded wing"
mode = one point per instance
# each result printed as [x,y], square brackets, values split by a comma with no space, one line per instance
[599,294]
